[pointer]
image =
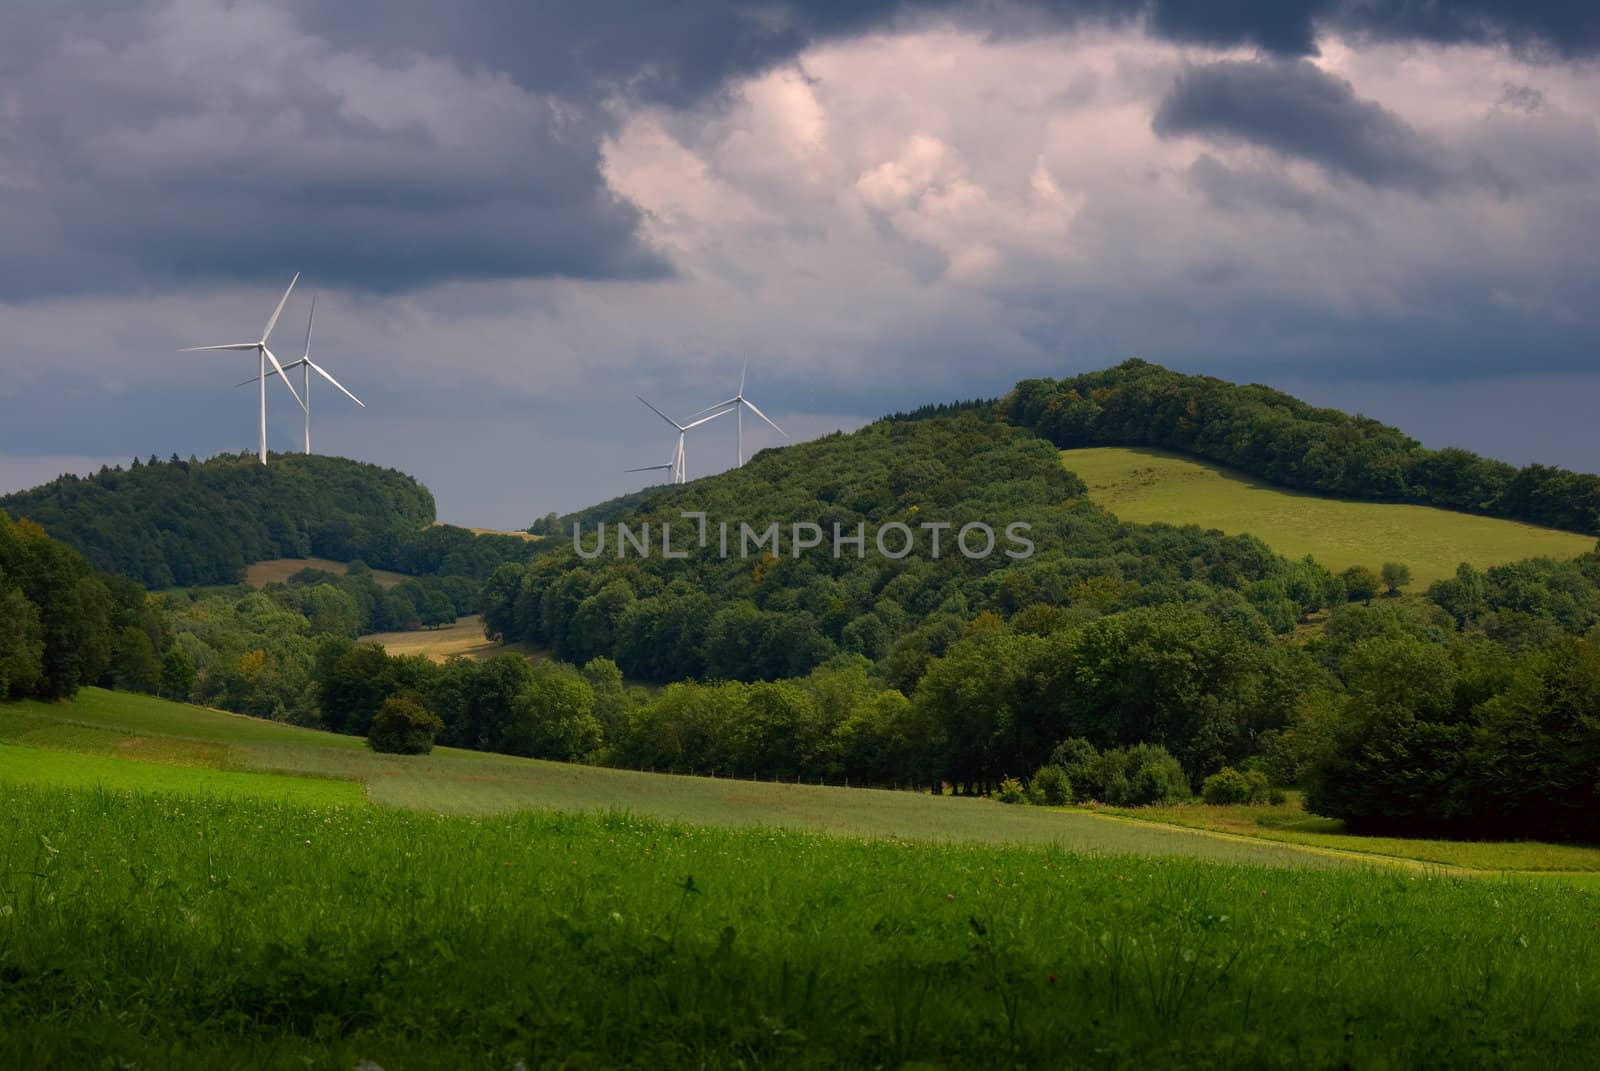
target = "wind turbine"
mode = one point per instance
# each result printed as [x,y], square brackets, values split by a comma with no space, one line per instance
[739,403]
[306,365]
[264,355]
[679,474]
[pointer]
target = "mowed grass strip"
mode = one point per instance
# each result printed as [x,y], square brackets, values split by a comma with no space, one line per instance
[1289,823]
[145,931]
[26,766]
[1145,485]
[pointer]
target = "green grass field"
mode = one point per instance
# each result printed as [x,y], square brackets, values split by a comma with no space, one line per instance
[149,931]
[1153,485]
[181,888]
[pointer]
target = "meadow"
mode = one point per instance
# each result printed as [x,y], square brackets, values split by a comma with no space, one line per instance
[185,888]
[138,738]
[1149,486]
[197,931]
[118,740]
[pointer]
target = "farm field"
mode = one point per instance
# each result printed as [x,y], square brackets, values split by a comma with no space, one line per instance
[1150,486]
[279,570]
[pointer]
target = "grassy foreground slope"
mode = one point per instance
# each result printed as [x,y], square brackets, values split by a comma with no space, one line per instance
[43,744]
[198,933]
[118,740]
[1148,486]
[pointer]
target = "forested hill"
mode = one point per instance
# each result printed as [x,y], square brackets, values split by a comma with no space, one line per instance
[1278,437]
[175,522]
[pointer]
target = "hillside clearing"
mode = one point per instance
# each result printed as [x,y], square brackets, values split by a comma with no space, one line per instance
[1150,486]
[279,570]
[463,639]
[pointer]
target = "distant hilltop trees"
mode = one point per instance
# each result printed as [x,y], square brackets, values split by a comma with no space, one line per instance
[1270,434]
[185,523]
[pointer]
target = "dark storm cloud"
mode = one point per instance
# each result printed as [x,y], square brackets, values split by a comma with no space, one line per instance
[401,144]
[1296,109]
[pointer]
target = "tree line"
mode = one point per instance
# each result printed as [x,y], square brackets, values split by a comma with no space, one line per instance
[1278,437]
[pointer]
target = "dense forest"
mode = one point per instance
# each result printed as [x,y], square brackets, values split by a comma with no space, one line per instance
[181,523]
[1278,437]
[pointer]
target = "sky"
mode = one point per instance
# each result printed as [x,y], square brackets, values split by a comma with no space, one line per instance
[516,217]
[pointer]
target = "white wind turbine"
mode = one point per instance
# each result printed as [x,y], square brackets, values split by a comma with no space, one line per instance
[264,355]
[739,403]
[306,366]
[677,465]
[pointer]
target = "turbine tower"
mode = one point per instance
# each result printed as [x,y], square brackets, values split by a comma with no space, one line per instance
[264,356]
[306,366]
[677,465]
[739,403]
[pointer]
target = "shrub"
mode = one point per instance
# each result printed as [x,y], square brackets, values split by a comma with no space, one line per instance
[1011,791]
[1078,759]
[1360,583]
[403,726]
[1153,776]
[1227,785]
[1052,786]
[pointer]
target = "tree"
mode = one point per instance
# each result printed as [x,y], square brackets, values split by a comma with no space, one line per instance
[21,644]
[135,666]
[403,726]
[1395,576]
[554,717]
[1360,583]
[177,675]
[352,687]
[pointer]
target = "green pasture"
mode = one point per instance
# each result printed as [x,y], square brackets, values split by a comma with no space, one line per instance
[1150,486]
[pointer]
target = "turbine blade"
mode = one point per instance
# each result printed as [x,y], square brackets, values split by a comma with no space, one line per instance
[660,414]
[702,420]
[764,416]
[291,366]
[648,468]
[279,310]
[724,404]
[229,346]
[323,372]
[309,320]
[279,369]
[742,373]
